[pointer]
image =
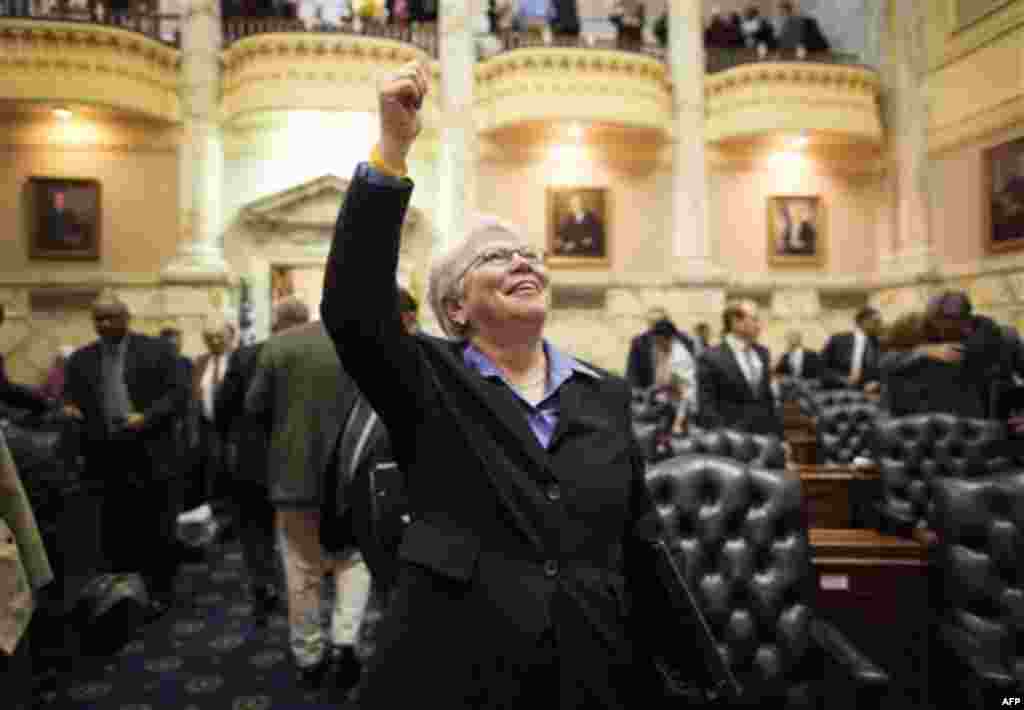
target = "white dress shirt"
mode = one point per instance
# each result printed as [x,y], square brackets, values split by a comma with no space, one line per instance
[750,362]
[207,384]
[860,342]
[796,362]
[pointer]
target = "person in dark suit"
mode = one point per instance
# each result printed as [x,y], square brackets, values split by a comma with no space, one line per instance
[62,228]
[246,453]
[208,372]
[644,349]
[734,378]
[18,396]
[798,361]
[300,388]
[701,338]
[851,359]
[129,389]
[580,232]
[523,478]
[799,31]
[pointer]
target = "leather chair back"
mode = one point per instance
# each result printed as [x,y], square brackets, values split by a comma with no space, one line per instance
[980,523]
[758,450]
[845,431]
[739,537]
[911,452]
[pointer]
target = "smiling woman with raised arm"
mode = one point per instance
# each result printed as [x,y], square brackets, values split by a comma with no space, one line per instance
[522,476]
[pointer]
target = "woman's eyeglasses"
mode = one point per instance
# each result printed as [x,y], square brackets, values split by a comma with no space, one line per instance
[503,256]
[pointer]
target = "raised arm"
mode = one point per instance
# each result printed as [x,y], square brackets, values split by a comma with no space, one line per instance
[360,298]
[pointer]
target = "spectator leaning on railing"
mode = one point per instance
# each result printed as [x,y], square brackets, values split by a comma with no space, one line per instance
[799,33]
[628,18]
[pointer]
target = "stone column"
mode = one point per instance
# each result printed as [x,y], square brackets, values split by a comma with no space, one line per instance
[200,255]
[691,239]
[903,67]
[457,166]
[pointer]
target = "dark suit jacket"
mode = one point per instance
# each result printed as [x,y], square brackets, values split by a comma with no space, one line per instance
[158,386]
[807,238]
[837,358]
[727,400]
[246,434]
[915,384]
[811,366]
[507,539]
[584,238]
[640,362]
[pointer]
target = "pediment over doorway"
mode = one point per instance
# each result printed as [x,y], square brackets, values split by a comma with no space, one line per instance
[303,213]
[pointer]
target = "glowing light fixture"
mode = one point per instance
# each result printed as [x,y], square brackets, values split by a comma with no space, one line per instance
[800,142]
[576,131]
[62,113]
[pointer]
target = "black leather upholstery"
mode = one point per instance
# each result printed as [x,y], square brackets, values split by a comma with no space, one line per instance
[760,450]
[980,524]
[652,420]
[911,452]
[845,431]
[740,539]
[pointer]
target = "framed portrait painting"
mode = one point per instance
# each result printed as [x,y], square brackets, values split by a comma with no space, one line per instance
[577,233]
[796,230]
[1004,196]
[64,216]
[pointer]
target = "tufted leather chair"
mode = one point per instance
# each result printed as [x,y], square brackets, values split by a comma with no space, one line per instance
[845,432]
[980,559]
[911,452]
[739,537]
[762,451]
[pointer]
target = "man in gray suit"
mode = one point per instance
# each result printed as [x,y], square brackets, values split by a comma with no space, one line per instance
[305,395]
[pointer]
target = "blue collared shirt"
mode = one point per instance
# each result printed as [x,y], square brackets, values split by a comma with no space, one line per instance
[542,418]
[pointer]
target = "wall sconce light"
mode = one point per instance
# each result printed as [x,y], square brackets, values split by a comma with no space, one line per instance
[576,131]
[63,114]
[800,142]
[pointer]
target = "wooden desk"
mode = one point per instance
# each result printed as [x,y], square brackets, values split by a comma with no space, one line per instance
[832,494]
[874,588]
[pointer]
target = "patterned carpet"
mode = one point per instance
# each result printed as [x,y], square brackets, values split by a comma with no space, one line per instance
[208,653]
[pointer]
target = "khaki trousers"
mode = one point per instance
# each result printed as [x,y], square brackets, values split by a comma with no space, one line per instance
[305,564]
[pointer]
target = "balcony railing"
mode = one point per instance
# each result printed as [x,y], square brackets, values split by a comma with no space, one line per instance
[716,60]
[422,35]
[165,28]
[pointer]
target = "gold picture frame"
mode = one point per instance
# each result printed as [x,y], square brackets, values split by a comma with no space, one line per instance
[1003,198]
[796,231]
[66,216]
[577,227]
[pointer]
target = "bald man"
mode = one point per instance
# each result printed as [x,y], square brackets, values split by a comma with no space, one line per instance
[129,391]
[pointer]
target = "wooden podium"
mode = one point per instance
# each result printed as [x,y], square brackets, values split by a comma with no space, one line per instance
[874,588]
[832,494]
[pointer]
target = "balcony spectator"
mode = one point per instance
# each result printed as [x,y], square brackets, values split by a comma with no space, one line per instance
[566,19]
[799,33]
[534,15]
[628,18]
[722,33]
[757,32]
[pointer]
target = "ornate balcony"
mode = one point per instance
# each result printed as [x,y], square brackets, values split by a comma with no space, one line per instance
[88,63]
[320,71]
[420,35]
[538,84]
[837,103]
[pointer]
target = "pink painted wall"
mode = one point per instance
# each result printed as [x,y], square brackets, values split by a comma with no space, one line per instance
[739,215]
[959,200]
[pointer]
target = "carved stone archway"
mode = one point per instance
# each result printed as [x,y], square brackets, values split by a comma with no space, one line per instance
[294,228]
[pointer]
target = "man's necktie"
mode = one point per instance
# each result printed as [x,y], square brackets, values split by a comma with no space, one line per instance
[115,393]
[216,374]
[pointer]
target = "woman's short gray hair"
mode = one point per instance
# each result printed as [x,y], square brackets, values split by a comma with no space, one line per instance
[445,283]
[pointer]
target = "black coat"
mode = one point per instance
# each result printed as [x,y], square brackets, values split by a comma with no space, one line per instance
[726,399]
[837,359]
[507,540]
[915,384]
[811,366]
[245,434]
[157,385]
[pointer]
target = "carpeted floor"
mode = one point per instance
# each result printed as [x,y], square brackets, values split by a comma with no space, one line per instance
[208,653]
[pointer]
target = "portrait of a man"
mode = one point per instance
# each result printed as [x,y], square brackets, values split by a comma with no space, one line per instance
[577,229]
[1005,165]
[794,230]
[66,219]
